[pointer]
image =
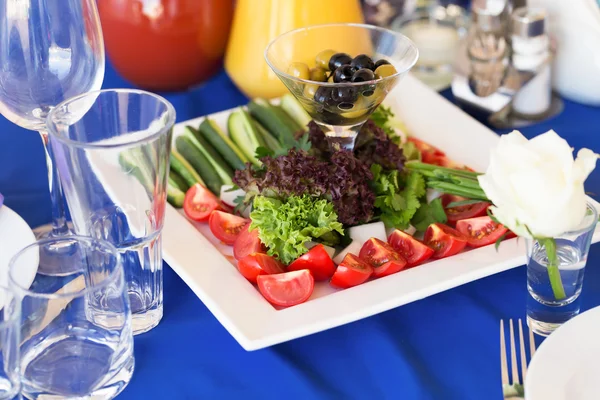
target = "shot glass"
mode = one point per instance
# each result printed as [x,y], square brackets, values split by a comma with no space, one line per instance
[546,312]
[112,150]
[75,331]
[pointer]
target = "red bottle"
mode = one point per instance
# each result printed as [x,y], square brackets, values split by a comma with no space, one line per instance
[166,45]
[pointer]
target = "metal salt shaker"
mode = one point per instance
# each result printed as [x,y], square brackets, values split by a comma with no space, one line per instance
[531,53]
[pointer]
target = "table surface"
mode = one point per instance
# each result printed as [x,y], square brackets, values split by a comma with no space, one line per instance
[442,347]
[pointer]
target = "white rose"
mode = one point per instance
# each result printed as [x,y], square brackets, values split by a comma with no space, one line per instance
[536,184]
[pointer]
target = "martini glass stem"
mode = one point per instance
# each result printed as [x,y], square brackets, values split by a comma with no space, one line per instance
[59,219]
[341,137]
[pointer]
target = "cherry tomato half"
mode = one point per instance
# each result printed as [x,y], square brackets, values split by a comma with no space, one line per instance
[444,241]
[246,243]
[455,214]
[256,264]
[351,272]
[317,261]
[480,231]
[200,202]
[287,289]
[413,251]
[377,252]
[226,227]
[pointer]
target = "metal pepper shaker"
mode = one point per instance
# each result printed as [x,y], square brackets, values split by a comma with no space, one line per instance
[487,47]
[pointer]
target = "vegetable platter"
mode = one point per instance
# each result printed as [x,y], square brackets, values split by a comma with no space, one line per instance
[280,238]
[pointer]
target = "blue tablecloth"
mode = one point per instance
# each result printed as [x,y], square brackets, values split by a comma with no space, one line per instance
[443,347]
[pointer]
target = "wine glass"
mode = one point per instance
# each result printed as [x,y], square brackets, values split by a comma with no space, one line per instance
[49,51]
[340,106]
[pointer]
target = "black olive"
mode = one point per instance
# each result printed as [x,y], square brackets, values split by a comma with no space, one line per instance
[379,63]
[363,75]
[343,74]
[338,59]
[343,94]
[369,92]
[362,61]
[323,95]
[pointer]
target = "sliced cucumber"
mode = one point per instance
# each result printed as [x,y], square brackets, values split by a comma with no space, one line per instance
[178,181]
[184,169]
[294,109]
[286,118]
[174,195]
[268,139]
[217,138]
[244,133]
[272,120]
[189,149]
[223,170]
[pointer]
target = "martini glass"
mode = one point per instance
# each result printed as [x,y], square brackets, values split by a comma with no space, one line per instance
[340,109]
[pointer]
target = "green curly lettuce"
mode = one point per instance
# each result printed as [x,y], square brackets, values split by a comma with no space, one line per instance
[285,226]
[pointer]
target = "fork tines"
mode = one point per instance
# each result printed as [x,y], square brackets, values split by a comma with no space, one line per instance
[515,378]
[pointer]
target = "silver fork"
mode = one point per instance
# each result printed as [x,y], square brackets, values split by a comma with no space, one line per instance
[513,388]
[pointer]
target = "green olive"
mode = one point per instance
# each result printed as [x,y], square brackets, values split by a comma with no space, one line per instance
[318,74]
[299,70]
[323,58]
[330,79]
[309,90]
[384,70]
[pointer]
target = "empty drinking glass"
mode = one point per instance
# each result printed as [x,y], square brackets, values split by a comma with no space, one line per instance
[10,324]
[112,150]
[76,337]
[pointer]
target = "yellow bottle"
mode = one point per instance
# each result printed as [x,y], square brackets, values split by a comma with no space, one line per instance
[257,22]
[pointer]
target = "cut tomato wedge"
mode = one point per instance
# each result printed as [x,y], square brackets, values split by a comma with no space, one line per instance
[317,261]
[226,227]
[389,268]
[480,231]
[351,272]
[413,251]
[200,202]
[455,214]
[444,241]
[255,264]
[246,243]
[287,289]
[377,252]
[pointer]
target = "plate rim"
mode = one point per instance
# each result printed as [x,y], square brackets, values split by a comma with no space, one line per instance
[562,334]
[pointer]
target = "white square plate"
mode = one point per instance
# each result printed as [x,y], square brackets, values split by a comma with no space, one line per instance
[206,265]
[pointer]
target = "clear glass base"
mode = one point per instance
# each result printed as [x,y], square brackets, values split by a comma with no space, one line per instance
[544,319]
[40,383]
[144,322]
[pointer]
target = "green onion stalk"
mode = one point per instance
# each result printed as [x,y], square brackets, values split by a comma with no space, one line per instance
[460,182]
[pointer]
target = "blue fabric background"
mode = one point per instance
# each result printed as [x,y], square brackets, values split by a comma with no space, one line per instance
[442,347]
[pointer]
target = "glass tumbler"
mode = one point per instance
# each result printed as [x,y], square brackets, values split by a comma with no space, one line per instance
[546,312]
[112,149]
[75,331]
[10,324]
